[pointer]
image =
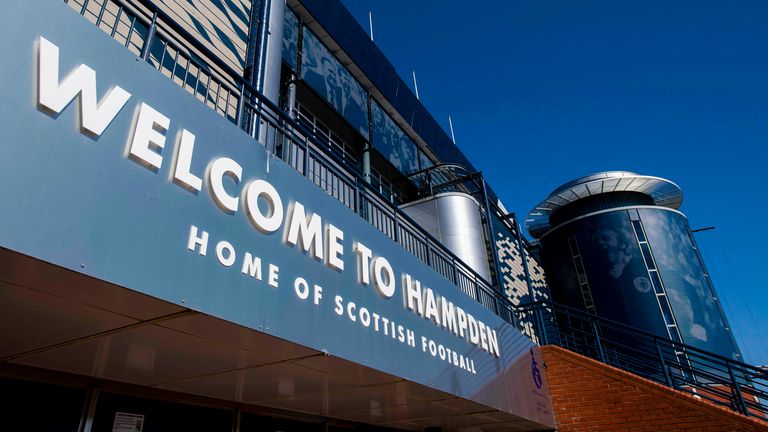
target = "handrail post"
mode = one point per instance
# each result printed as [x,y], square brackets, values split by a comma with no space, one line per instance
[742,405]
[540,321]
[145,50]
[241,110]
[599,344]
[667,377]
[357,196]
[396,234]
[455,270]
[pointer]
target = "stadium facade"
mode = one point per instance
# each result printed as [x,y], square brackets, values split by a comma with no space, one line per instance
[236,216]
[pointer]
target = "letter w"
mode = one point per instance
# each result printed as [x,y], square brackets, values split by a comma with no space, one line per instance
[55,96]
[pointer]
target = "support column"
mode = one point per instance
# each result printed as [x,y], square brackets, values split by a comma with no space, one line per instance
[263,59]
[264,51]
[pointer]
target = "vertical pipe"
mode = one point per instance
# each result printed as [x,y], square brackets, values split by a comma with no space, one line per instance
[263,57]
[290,101]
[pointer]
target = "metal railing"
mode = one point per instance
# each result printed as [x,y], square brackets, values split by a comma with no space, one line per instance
[150,34]
[144,31]
[736,385]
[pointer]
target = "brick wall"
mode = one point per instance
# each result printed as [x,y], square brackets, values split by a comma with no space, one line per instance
[589,396]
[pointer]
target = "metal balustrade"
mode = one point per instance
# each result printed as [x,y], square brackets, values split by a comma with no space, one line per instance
[141,27]
[149,33]
[736,385]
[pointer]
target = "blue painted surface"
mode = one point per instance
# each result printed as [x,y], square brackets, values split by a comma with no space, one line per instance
[80,203]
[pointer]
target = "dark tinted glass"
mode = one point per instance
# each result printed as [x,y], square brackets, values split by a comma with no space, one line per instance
[31,406]
[689,291]
[159,416]
[392,142]
[333,82]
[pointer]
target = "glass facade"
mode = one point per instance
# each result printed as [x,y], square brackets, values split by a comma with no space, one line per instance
[325,74]
[690,293]
[638,267]
[290,39]
[23,402]
[597,265]
[392,142]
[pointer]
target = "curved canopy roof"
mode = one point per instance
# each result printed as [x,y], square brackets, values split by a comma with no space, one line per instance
[663,192]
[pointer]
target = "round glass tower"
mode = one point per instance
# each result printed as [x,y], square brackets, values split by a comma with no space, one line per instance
[615,245]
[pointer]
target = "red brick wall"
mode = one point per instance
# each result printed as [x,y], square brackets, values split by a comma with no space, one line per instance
[589,396]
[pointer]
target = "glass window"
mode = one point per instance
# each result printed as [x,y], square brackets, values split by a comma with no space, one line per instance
[665,311]
[647,255]
[158,415]
[424,161]
[656,280]
[24,402]
[290,38]
[392,142]
[638,230]
[674,334]
[333,82]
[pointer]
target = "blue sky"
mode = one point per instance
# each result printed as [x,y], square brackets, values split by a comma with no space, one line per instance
[542,92]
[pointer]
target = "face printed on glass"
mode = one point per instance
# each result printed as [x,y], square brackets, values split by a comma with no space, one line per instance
[611,246]
[332,89]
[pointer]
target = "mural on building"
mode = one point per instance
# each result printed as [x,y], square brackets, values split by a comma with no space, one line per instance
[333,82]
[290,39]
[392,142]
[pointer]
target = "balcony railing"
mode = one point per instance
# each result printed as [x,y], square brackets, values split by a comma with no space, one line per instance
[145,30]
[738,386]
[149,32]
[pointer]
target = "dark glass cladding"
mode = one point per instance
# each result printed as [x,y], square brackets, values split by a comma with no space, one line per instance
[29,406]
[690,294]
[392,142]
[290,39]
[158,415]
[345,30]
[622,287]
[613,264]
[333,82]
[596,203]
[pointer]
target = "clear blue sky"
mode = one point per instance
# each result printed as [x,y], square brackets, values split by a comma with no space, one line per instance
[542,92]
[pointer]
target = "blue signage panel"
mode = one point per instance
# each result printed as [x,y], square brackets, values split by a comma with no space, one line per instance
[113,171]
